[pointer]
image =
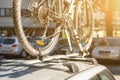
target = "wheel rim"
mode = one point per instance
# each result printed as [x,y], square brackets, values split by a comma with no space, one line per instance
[26,14]
[84,23]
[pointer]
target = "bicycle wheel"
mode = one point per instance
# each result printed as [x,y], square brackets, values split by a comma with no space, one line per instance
[34,18]
[84,23]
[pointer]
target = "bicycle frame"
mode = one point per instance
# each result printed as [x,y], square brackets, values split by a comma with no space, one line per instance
[74,29]
[71,14]
[68,14]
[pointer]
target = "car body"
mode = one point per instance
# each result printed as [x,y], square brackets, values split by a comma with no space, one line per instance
[108,48]
[74,68]
[11,46]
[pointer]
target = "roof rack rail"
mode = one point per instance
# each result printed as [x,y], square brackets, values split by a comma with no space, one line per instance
[78,58]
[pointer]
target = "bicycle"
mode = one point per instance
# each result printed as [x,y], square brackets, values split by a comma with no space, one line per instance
[72,17]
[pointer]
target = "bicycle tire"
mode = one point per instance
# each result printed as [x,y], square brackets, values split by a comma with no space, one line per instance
[22,37]
[78,14]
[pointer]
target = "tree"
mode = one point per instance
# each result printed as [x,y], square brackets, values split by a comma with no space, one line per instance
[109,18]
[107,7]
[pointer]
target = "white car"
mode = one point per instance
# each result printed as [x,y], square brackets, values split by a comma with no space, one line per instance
[108,48]
[10,46]
[63,48]
[74,68]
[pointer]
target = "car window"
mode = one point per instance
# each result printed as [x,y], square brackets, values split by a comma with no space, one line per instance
[9,41]
[103,43]
[94,78]
[113,42]
[39,42]
[105,75]
[38,38]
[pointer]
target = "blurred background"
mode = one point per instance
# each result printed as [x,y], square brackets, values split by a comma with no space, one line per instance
[106,13]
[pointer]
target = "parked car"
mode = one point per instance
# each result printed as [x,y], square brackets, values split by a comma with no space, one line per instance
[10,46]
[62,47]
[108,48]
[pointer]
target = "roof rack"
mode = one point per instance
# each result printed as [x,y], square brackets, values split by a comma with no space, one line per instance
[58,58]
[64,59]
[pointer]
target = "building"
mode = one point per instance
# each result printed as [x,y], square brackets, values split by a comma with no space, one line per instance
[7,27]
[6,22]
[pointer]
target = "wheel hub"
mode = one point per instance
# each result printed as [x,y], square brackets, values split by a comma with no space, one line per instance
[39,12]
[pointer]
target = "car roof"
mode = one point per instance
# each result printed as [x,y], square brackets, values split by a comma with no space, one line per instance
[12,37]
[51,70]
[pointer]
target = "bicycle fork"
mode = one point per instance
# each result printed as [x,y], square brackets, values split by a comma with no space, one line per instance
[81,50]
[77,39]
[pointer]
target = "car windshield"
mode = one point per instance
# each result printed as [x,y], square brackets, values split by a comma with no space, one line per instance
[103,43]
[38,39]
[9,41]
